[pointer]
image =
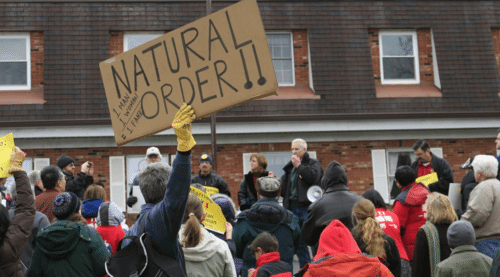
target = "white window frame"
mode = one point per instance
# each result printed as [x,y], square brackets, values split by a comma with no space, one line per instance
[293,55]
[28,61]
[384,81]
[128,35]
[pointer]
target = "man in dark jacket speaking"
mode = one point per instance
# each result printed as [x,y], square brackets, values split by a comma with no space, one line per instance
[301,173]
[336,203]
[428,163]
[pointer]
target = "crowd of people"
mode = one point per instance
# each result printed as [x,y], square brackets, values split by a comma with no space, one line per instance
[59,224]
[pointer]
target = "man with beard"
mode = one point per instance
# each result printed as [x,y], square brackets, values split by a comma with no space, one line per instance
[206,178]
[428,163]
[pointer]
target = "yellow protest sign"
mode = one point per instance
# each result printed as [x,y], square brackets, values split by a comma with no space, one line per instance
[214,63]
[6,145]
[211,190]
[428,179]
[215,219]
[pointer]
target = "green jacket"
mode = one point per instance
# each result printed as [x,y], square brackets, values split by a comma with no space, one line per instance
[67,248]
[464,261]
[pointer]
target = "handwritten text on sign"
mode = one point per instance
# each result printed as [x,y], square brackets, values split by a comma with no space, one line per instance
[216,62]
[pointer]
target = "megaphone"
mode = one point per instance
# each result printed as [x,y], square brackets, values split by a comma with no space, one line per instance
[314,193]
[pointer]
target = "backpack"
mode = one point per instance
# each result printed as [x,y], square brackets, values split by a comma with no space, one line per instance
[141,258]
[432,235]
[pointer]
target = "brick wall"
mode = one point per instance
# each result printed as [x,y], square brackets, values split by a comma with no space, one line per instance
[301,59]
[355,157]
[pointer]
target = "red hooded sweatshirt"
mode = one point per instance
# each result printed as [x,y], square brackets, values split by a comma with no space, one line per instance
[339,255]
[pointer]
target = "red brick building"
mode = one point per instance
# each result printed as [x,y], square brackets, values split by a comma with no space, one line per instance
[359,80]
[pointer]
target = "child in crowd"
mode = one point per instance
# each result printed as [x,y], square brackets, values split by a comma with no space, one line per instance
[109,221]
[265,249]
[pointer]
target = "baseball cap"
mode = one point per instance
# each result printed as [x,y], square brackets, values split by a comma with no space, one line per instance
[153,151]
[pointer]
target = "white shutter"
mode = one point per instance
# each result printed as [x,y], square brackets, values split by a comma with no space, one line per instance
[437,81]
[438,151]
[28,164]
[246,162]
[117,180]
[379,166]
[40,163]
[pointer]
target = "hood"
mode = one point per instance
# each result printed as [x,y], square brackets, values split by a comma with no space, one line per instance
[414,194]
[109,215]
[334,176]
[227,206]
[90,207]
[60,238]
[336,239]
[209,245]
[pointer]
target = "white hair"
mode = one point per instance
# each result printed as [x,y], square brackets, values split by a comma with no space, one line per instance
[486,164]
[301,142]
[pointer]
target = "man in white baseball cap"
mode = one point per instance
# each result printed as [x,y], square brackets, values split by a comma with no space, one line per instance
[153,155]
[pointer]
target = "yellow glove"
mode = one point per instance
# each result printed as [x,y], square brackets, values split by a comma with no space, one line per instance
[183,129]
[16,160]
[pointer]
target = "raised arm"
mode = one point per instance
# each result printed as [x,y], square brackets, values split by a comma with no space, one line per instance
[166,218]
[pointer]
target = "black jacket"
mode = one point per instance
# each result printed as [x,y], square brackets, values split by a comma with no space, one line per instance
[247,195]
[336,203]
[310,173]
[467,185]
[421,265]
[78,184]
[392,259]
[444,172]
[212,180]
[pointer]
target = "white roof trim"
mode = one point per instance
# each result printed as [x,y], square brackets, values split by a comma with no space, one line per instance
[266,132]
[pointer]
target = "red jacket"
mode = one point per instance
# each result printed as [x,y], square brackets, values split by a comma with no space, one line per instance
[269,265]
[409,209]
[112,235]
[389,223]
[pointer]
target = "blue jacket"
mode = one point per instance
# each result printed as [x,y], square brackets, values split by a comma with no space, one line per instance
[164,219]
[266,215]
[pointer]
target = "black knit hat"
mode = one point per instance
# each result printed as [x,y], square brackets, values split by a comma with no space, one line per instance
[64,160]
[65,204]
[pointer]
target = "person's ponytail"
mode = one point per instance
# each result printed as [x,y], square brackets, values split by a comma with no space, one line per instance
[192,221]
[368,228]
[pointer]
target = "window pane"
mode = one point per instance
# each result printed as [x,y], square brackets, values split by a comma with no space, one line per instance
[287,52]
[134,41]
[12,49]
[277,65]
[397,45]
[13,73]
[279,45]
[399,68]
[287,72]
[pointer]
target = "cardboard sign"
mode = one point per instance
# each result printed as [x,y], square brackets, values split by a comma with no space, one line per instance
[215,219]
[6,146]
[214,63]
[211,190]
[428,179]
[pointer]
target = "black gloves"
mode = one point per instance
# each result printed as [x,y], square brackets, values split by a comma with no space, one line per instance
[131,201]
